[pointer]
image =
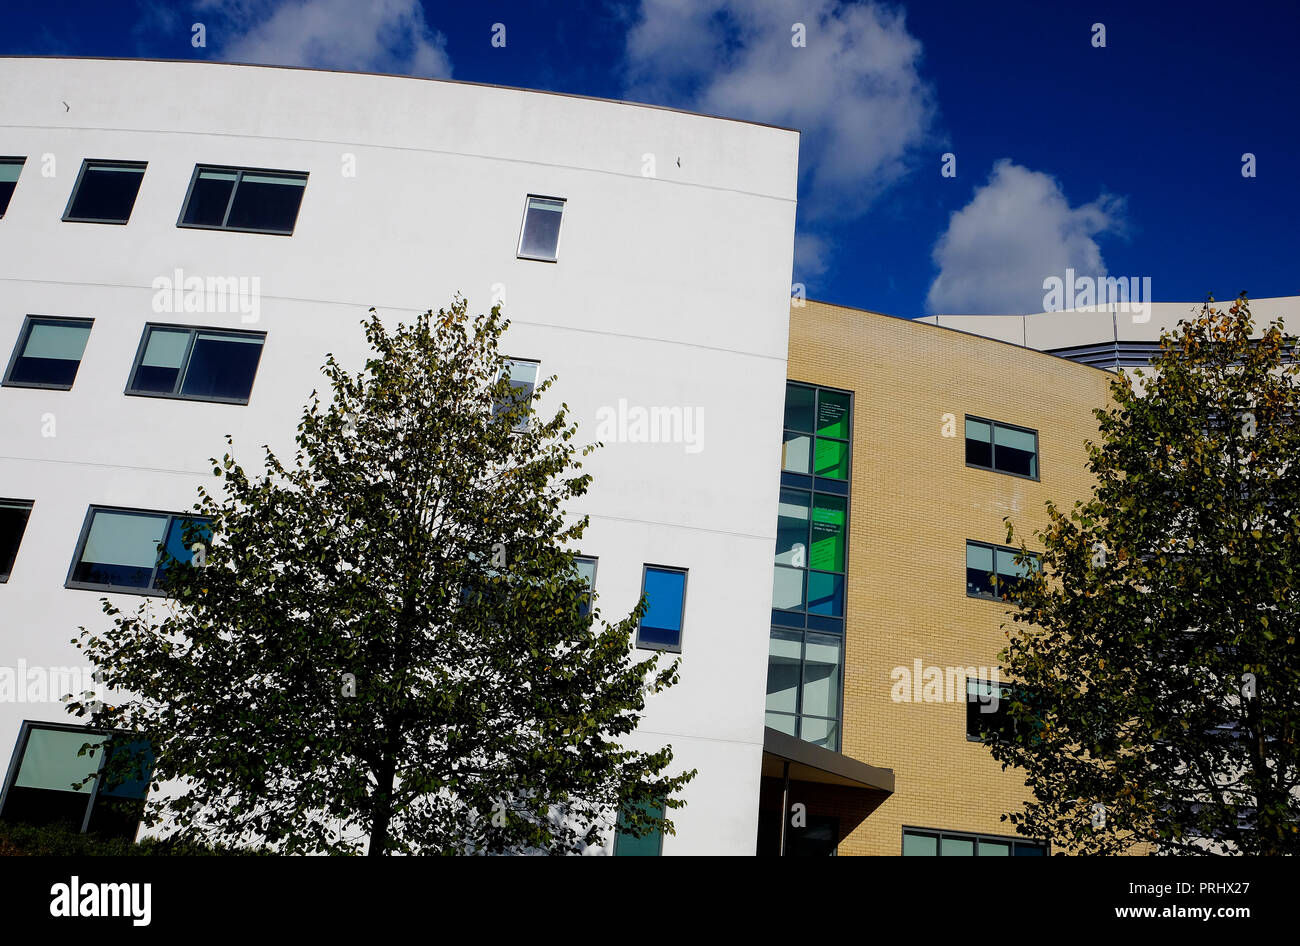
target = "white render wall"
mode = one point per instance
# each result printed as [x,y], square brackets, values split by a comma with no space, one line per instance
[669,291]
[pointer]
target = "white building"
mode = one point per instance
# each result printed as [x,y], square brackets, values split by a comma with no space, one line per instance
[669,288]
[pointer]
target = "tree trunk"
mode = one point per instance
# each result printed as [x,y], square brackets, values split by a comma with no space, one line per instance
[382,813]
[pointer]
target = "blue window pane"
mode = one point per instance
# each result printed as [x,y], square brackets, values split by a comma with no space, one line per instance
[662,624]
[222,366]
[826,594]
[209,198]
[176,547]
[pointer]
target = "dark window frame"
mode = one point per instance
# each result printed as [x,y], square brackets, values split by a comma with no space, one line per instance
[24,334]
[996,596]
[681,632]
[21,163]
[939,834]
[993,448]
[524,424]
[195,331]
[86,163]
[239,172]
[523,224]
[595,567]
[31,505]
[92,797]
[149,591]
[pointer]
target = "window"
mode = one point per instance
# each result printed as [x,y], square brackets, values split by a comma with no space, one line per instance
[10,168]
[661,627]
[246,200]
[13,523]
[805,654]
[196,364]
[1001,447]
[992,571]
[48,353]
[923,843]
[523,378]
[44,784]
[587,572]
[987,715]
[130,550]
[649,845]
[539,238]
[105,192]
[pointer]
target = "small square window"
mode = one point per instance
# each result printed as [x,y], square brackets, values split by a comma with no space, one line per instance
[649,845]
[130,550]
[14,514]
[992,571]
[246,200]
[991,445]
[196,364]
[587,572]
[10,168]
[539,238]
[661,627]
[105,192]
[48,353]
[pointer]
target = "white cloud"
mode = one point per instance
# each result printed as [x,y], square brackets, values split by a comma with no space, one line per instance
[854,91]
[374,36]
[1017,230]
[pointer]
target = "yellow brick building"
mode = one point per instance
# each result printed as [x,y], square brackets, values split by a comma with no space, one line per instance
[918,495]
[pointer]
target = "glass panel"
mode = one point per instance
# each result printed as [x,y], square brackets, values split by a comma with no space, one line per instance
[106,193]
[1029,850]
[957,847]
[164,354]
[799,407]
[832,415]
[50,761]
[1017,451]
[221,366]
[51,354]
[9,171]
[821,732]
[782,723]
[541,228]
[796,452]
[13,523]
[177,548]
[587,572]
[792,528]
[979,443]
[662,623]
[783,667]
[994,848]
[209,198]
[821,676]
[920,845]
[979,566]
[787,588]
[121,549]
[832,459]
[647,846]
[826,594]
[523,378]
[266,202]
[828,518]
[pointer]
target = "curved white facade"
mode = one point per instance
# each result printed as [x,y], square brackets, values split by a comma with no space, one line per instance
[670,290]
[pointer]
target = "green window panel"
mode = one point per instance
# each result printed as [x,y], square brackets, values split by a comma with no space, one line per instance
[833,415]
[831,459]
[829,515]
[650,845]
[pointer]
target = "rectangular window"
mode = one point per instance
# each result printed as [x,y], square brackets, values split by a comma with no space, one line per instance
[587,571]
[992,571]
[14,514]
[661,628]
[926,843]
[649,845]
[105,192]
[196,364]
[131,550]
[10,168]
[987,716]
[994,446]
[50,781]
[48,353]
[539,238]
[246,200]
[523,379]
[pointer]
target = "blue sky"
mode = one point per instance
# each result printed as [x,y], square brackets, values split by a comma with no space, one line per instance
[1123,159]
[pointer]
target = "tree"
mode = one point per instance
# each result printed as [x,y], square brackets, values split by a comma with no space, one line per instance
[1156,668]
[388,636]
